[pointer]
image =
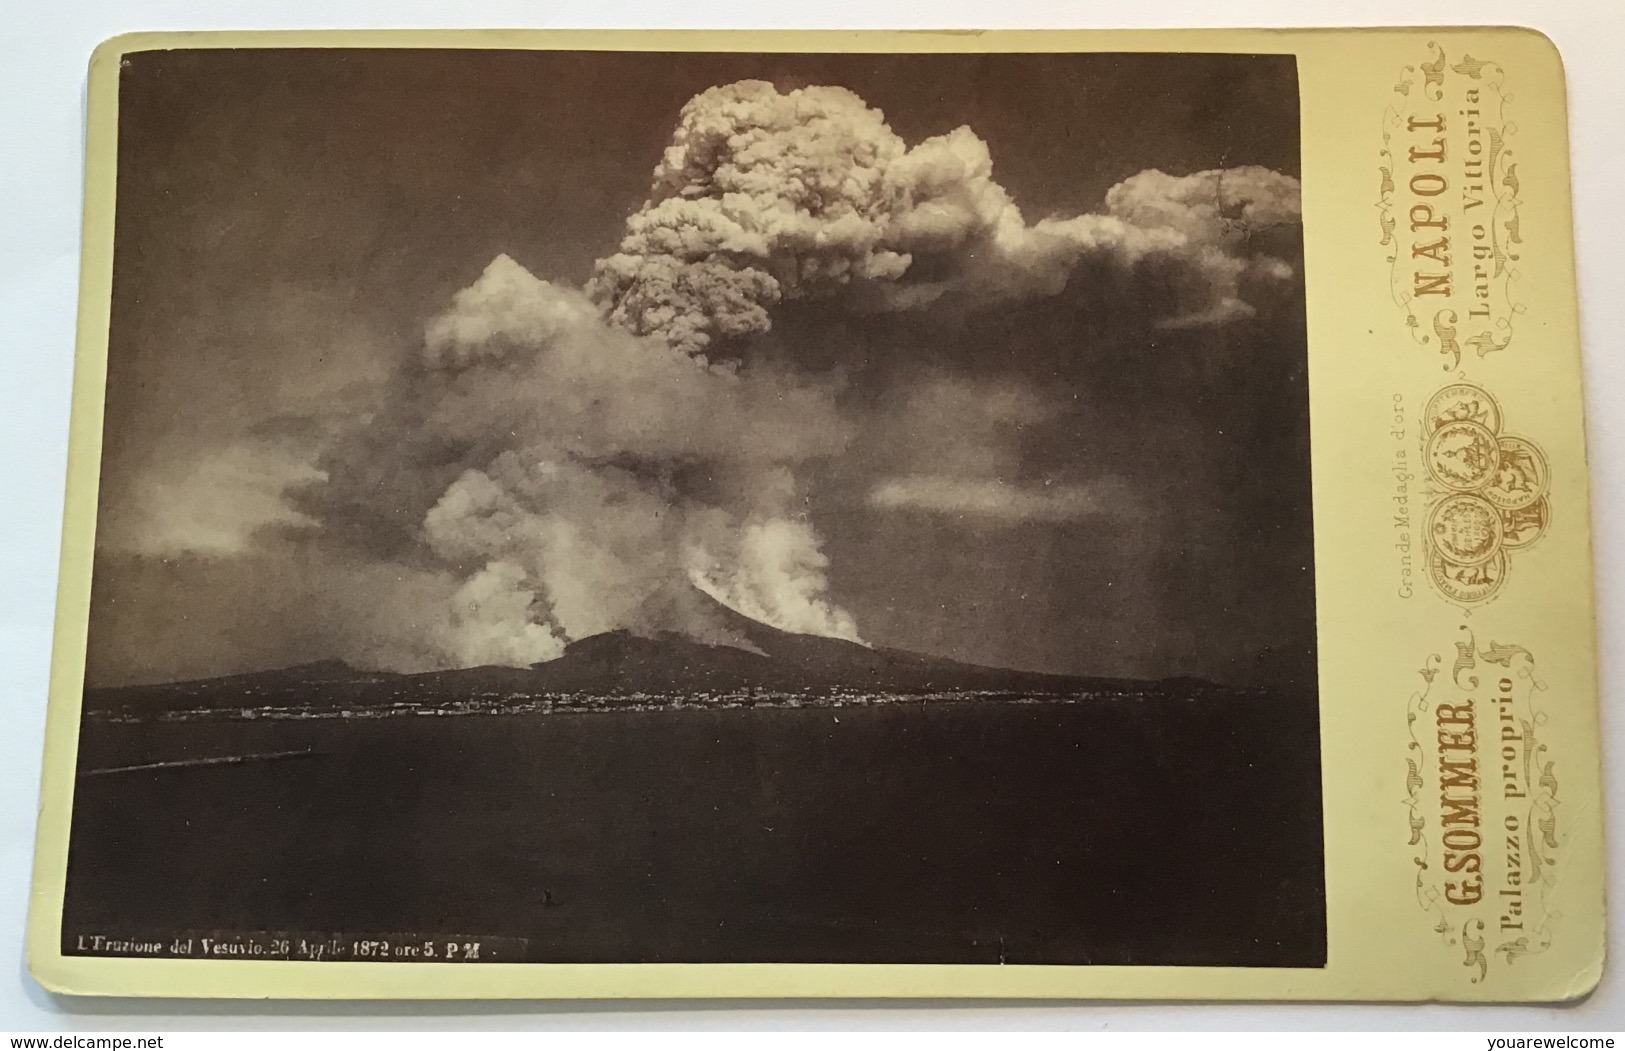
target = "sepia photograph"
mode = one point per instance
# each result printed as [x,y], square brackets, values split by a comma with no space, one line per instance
[568,506]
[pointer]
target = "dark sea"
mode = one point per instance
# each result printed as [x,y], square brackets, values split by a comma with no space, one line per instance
[1133,830]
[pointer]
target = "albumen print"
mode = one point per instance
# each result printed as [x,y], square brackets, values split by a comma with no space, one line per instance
[694,507]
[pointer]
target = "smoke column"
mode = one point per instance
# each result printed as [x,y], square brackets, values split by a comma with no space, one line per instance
[576,461]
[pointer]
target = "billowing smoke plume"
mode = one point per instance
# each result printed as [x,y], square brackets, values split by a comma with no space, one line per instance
[572,462]
[767,196]
[592,479]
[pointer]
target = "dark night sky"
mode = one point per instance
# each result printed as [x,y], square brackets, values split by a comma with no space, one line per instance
[289,221]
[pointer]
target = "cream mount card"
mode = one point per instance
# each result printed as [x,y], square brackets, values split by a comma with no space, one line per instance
[1009,514]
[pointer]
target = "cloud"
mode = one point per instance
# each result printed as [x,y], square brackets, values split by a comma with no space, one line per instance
[506,310]
[994,499]
[549,462]
[583,460]
[492,621]
[1207,243]
[960,426]
[765,197]
[761,196]
[970,447]
[579,478]
[287,599]
[772,570]
[214,504]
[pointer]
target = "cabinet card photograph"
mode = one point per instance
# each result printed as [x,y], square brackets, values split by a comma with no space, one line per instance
[686,503]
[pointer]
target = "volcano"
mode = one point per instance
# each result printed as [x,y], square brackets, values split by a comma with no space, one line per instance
[732,654]
[737,653]
[735,794]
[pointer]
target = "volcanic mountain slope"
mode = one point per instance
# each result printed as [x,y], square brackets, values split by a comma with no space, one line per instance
[735,654]
[333,681]
[741,653]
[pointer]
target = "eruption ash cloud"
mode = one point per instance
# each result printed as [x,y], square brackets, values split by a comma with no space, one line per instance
[590,478]
[765,196]
[568,462]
